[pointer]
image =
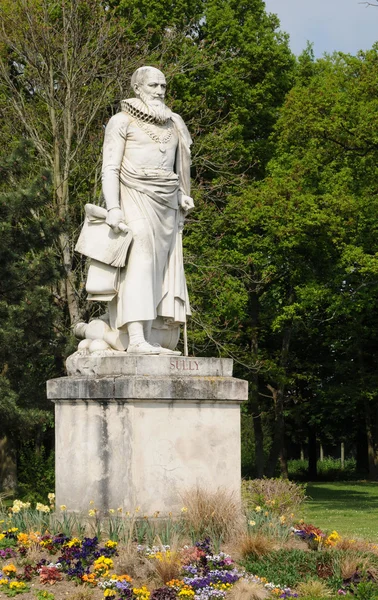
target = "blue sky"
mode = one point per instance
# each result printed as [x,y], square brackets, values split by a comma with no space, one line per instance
[344,25]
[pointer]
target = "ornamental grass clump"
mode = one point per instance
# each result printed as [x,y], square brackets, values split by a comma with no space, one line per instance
[211,514]
[255,545]
[166,562]
[247,590]
[280,496]
[313,588]
[135,564]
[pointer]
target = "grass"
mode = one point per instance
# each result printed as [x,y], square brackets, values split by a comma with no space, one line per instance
[351,508]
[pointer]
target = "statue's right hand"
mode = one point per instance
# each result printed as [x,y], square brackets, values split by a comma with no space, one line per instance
[114,218]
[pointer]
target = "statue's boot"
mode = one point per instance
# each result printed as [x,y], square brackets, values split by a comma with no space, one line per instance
[142,348]
[166,351]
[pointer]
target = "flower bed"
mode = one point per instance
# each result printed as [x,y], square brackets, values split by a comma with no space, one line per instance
[275,559]
[202,574]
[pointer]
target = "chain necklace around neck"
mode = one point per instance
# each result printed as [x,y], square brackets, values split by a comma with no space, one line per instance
[162,139]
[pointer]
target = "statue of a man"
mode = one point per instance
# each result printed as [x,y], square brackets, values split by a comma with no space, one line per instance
[146,186]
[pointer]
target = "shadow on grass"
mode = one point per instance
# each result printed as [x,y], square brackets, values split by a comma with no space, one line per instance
[344,496]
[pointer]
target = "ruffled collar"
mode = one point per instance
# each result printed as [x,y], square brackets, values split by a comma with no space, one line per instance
[137,108]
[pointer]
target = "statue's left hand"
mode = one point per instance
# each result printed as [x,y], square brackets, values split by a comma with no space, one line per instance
[186,203]
[114,219]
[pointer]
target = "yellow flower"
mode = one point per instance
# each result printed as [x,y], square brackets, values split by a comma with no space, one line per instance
[111,544]
[23,539]
[175,583]
[108,593]
[19,505]
[102,565]
[157,513]
[332,539]
[9,570]
[92,512]
[89,578]
[74,543]
[184,509]
[252,523]
[42,507]
[258,509]
[111,511]
[63,507]
[186,592]
[119,509]
[17,585]
[282,519]
[2,536]
[266,513]
[142,593]
[91,502]
[137,509]
[51,497]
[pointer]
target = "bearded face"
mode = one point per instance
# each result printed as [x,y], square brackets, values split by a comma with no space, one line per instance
[156,108]
[151,90]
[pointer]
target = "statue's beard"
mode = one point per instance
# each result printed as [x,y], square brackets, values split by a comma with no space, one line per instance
[156,108]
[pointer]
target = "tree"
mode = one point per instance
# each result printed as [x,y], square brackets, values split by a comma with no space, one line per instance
[31,344]
[62,64]
[321,250]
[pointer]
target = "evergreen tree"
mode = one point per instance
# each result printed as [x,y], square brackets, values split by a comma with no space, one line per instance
[31,341]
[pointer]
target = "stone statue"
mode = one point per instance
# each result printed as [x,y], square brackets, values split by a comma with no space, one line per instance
[146,187]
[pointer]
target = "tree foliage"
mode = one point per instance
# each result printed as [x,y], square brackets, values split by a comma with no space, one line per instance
[281,253]
[292,273]
[30,345]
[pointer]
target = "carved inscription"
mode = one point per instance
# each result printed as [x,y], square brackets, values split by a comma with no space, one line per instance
[184,365]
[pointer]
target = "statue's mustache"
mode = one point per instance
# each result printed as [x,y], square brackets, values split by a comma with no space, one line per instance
[156,107]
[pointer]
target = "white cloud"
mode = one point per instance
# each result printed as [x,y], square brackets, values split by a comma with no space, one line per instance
[345,25]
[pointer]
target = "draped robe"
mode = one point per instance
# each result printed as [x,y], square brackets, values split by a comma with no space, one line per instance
[145,183]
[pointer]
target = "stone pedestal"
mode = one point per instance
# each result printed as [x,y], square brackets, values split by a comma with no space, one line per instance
[139,430]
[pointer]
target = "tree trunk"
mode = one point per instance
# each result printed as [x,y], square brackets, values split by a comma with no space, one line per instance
[8,466]
[362,462]
[371,423]
[254,399]
[283,462]
[312,454]
[371,442]
[277,450]
[69,283]
[258,434]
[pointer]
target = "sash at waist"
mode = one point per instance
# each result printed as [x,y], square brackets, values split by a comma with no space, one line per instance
[154,183]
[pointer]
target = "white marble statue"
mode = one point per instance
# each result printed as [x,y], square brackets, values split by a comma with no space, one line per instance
[146,186]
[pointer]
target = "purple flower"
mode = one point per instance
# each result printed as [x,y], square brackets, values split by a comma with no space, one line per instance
[7,553]
[191,569]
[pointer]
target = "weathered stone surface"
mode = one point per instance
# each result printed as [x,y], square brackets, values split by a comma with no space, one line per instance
[142,439]
[142,388]
[144,453]
[124,364]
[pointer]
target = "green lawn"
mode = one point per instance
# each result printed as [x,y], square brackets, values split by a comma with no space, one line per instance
[349,507]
